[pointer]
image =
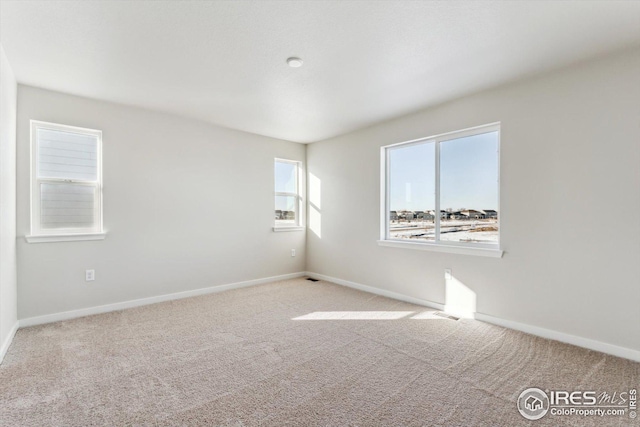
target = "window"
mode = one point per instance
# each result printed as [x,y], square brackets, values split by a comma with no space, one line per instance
[443,191]
[66,182]
[287,195]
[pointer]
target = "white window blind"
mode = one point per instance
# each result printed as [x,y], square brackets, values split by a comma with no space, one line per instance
[65,205]
[66,179]
[67,155]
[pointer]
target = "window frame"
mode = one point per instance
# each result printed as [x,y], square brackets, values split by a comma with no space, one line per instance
[299,205]
[467,248]
[39,234]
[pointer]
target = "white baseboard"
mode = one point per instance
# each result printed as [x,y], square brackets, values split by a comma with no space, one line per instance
[7,341]
[66,315]
[377,291]
[587,343]
[590,344]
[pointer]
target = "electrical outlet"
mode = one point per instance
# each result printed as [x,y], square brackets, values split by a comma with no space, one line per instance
[89,275]
[293,252]
[447,274]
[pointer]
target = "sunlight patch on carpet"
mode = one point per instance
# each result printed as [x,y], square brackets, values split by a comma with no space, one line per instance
[355,315]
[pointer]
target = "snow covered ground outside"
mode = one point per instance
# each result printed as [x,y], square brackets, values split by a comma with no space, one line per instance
[481,231]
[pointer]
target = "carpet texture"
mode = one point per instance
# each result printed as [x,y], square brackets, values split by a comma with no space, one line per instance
[293,353]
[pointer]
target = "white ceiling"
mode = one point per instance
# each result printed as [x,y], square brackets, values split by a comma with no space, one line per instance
[365,61]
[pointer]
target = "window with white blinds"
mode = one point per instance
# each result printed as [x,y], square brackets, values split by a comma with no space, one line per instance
[66,180]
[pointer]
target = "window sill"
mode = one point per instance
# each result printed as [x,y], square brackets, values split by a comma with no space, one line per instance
[462,250]
[283,228]
[65,237]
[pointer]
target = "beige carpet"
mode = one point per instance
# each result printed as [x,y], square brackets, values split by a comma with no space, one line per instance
[239,359]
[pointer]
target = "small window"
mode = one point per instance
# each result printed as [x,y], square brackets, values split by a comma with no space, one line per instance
[443,190]
[287,193]
[66,180]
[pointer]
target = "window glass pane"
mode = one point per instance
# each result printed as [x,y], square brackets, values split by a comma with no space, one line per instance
[286,177]
[286,208]
[469,189]
[67,205]
[67,155]
[412,192]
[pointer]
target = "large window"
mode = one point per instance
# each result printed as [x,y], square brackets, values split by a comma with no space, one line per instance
[287,194]
[66,180]
[443,190]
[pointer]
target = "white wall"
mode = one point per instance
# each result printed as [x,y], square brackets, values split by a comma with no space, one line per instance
[570,186]
[8,305]
[187,205]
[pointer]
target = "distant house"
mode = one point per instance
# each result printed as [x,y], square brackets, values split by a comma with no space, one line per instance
[457,215]
[285,215]
[393,216]
[444,215]
[472,214]
[425,216]
[490,213]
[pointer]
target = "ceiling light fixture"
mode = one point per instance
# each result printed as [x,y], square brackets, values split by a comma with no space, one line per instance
[294,62]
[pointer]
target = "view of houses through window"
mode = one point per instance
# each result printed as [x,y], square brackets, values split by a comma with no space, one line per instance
[455,175]
[287,197]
